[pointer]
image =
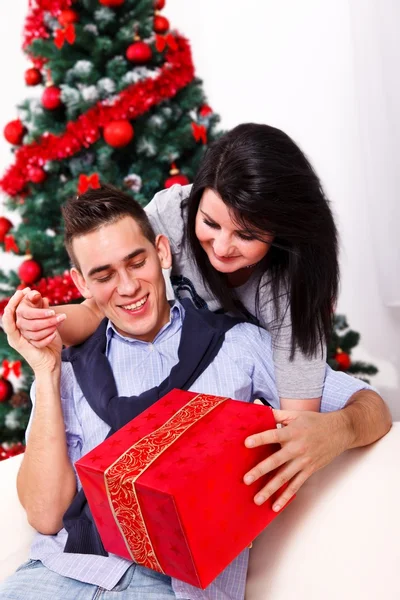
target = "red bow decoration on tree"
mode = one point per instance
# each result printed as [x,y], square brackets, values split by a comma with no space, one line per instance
[10,245]
[88,181]
[167,40]
[199,132]
[64,35]
[14,367]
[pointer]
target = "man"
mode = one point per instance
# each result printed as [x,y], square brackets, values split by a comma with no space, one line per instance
[118,262]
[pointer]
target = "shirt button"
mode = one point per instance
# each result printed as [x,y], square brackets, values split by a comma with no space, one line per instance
[151,347]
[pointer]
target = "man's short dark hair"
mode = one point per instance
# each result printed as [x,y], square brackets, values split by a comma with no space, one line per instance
[97,207]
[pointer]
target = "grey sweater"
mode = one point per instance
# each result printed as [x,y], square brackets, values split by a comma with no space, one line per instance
[302,377]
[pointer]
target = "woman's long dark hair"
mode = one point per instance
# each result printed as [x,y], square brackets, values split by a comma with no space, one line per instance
[268,183]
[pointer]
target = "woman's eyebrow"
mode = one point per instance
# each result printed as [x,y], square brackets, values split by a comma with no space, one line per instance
[208,216]
[213,221]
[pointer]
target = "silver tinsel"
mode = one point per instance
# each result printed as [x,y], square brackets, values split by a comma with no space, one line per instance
[77,165]
[50,21]
[90,93]
[146,147]
[133,182]
[104,15]
[35,106]
[167,111]
[92,28]
[82,68]
[23,114]
[11,420]
[156,121]
[138,74]
[105,86]
[110,101]
[70,96]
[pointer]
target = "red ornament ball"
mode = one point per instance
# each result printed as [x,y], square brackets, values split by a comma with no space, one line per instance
[139,53]
[29,271]
[111,3]
[37,175]
[118,133]
[33,76]
[5,226]
[205,110]
[343,360]
[159,4]
[51,97]
[6,390]
[181,179]
[68,16]
[3,304]
[14,132]
[160,24]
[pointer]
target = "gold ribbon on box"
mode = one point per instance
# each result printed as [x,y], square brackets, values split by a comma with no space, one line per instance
[120,477]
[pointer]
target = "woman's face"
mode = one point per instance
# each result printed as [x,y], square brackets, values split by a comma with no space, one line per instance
[227,246]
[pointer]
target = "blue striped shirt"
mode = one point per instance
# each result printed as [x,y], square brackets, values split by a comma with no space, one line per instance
[242,369]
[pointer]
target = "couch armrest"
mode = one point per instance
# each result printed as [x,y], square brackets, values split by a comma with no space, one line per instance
[340,537]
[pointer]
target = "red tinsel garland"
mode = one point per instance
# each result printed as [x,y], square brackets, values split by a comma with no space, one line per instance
[35,26]
[59,289]
[13,450]
[135,100]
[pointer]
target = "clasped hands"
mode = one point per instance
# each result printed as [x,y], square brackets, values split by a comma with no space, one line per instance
[308,440]
[44,357]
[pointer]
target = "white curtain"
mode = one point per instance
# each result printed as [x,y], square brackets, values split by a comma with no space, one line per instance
[375,26]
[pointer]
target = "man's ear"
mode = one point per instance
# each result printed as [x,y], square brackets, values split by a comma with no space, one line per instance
[164,251]
[80,283]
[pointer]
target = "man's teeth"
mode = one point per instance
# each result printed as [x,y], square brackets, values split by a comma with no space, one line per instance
[136,305]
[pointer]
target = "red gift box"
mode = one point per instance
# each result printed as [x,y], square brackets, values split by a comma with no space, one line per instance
[166,491]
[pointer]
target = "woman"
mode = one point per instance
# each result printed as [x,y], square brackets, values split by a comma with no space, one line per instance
[255,236]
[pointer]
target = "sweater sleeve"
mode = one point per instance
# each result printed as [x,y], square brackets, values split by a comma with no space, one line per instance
[302,377]
[165,212]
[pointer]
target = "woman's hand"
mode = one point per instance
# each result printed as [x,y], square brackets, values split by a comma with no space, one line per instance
[309,441]
[36,322]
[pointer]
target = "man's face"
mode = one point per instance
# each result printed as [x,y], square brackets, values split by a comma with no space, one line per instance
[121,271]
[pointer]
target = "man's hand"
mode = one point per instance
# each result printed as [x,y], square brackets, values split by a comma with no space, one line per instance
[40,359]
[46,481]
[309,441]
[35,320]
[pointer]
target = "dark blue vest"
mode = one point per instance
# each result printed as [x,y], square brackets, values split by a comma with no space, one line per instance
[202,336]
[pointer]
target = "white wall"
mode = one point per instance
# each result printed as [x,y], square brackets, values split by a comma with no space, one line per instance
[325,72]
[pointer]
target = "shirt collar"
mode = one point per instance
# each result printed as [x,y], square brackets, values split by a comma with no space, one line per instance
[177,314]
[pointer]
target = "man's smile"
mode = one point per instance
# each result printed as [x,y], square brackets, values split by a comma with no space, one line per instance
[135,306]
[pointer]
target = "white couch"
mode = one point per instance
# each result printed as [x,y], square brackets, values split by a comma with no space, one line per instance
[339,540]
[15,532]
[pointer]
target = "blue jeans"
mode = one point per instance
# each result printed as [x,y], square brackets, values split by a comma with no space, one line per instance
[34,581]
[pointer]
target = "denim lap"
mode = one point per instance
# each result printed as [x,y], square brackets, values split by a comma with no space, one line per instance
[33,581]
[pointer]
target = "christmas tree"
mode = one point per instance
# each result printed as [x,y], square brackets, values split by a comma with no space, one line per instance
[119,103]
[342,342]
